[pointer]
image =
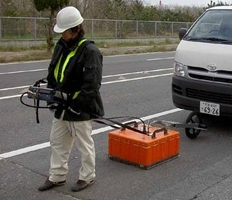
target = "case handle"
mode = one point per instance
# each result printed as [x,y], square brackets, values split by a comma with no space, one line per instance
[163,129]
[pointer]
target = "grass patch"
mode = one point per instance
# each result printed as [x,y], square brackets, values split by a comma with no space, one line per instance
[110,44]
[13,48]
[25,56]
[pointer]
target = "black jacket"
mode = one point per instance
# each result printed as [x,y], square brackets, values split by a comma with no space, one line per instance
[83,73]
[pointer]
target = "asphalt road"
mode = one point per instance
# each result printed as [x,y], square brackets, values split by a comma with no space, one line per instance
[133,85]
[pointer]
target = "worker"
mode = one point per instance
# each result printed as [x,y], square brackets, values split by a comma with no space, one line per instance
[76,70]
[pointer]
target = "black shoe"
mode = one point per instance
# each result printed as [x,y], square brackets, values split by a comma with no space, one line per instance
[49,185]
[80,185]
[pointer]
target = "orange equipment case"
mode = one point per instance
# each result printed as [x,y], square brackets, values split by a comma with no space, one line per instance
[143,150]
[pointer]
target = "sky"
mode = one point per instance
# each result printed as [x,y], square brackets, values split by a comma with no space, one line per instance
[184,2]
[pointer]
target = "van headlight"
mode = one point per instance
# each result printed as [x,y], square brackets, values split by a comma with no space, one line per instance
[179,69]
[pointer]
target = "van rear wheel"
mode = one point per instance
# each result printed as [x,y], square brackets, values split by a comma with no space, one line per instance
[194,117]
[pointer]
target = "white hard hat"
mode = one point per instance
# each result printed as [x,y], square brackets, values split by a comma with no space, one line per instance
[67,18]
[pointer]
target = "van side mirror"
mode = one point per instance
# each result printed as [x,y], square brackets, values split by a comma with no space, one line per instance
[182,32]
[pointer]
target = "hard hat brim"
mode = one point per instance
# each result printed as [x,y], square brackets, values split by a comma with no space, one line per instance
[58,30]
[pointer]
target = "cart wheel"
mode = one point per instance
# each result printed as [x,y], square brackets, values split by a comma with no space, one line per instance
[194,117]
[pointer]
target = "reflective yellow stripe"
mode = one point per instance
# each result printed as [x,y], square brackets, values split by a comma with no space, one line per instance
[75,95]
[70,55]
[56,71]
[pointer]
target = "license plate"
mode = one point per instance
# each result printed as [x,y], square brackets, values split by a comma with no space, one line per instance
[209,108]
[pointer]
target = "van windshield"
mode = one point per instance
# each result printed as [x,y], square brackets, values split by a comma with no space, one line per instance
[214,26]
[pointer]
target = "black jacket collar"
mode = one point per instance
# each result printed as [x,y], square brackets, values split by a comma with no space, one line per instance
[71,45]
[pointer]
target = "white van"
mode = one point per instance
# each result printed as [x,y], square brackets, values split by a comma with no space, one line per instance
[202,78]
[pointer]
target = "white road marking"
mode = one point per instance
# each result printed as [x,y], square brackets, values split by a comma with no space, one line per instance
[155,59]
[18,72]
[131,73]
[140,72]
[138,78]
[10,97]
[19,87]
[96,131]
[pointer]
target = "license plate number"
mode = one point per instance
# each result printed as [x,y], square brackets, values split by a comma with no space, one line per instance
[209,108]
